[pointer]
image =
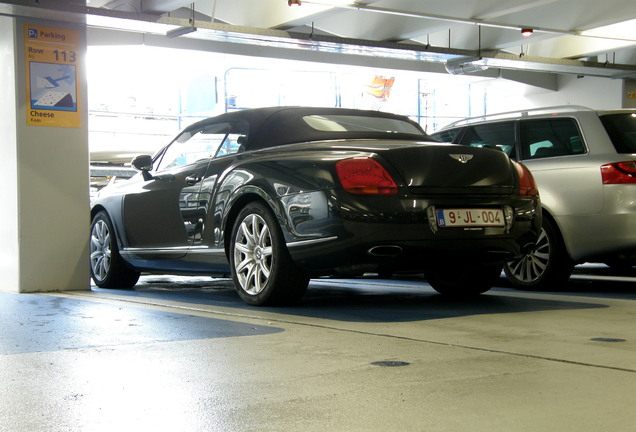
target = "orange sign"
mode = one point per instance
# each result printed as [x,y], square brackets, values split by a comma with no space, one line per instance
[52,62]
[381,87]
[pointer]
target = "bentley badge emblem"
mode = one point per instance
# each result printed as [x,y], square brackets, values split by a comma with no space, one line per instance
[463,158]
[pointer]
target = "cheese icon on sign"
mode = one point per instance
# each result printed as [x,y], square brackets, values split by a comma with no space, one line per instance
[56,99]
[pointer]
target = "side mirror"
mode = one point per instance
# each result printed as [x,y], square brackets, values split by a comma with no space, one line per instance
[143,163]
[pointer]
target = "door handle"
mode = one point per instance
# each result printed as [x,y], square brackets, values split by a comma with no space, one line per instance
[192,180]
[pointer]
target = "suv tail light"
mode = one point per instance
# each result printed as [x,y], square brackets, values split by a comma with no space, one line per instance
[619,172]
[527,185]
[365,176]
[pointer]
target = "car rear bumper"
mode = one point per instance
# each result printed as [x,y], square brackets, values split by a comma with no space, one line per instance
[382,232]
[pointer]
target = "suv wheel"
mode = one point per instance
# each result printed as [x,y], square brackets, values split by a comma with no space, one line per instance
[546,266]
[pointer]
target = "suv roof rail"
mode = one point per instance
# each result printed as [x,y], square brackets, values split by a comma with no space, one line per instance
[520,113]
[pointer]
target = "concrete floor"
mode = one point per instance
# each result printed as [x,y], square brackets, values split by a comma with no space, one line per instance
[185,354]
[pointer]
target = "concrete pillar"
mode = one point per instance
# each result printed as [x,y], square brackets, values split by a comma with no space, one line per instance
[44,216]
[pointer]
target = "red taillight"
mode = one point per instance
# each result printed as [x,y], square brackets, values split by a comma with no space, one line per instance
[527,186]
[619,173]
[365,176]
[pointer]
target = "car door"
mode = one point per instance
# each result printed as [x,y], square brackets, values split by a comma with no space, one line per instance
[162,215]
[211,198]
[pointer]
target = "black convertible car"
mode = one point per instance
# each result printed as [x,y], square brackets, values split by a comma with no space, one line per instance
[275,196]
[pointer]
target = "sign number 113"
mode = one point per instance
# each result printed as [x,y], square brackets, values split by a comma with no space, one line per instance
[65,56]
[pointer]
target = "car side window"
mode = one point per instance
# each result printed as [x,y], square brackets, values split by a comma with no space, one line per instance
[500,135]
[233,143]
[543,138]
[215,140]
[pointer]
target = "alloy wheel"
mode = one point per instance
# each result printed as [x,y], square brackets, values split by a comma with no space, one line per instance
[532,266]
[253,254]
[100,251]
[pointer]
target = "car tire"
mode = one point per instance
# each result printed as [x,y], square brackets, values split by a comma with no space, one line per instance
[108,269]
[548,265]
[262,269]
[462,282]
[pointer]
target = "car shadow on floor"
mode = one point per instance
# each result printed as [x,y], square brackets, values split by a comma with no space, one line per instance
[382,300]
[597,281]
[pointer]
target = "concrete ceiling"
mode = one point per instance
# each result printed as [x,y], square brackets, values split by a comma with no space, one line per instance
[583,37]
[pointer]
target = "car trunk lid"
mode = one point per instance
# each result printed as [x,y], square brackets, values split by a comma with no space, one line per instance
[451,169]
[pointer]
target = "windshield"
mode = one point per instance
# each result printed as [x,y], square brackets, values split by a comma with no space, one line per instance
[621,129]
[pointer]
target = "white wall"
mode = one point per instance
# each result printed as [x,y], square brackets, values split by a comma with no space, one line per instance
[596,93]
[9,263]
[592,92]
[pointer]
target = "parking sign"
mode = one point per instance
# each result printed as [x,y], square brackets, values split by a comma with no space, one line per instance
[52,65]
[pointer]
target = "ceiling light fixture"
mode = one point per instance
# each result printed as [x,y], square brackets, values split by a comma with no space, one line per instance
[526,32]
[293,2]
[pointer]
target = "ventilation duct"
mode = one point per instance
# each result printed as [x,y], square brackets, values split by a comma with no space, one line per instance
[464,65]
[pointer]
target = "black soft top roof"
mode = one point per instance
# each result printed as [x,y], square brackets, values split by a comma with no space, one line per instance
[269,127]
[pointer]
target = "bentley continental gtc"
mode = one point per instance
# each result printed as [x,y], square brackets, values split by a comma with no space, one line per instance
[276,196]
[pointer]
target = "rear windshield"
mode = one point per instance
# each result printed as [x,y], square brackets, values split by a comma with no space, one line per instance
[350,123]
[621,129]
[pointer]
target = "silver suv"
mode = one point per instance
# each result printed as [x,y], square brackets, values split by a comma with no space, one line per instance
[584,162]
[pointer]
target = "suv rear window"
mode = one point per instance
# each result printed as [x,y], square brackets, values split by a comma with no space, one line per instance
[550,137]
[621,129]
